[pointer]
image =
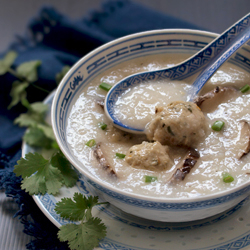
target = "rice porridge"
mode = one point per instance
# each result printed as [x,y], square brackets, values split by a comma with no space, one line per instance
[219,151]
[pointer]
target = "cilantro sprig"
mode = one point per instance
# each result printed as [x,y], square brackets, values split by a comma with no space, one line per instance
[7,62]
[48,175]
[41,175]
[39,133]
[87,234]
[25,74]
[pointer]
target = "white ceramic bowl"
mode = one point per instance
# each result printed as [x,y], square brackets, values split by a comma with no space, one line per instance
[113,53]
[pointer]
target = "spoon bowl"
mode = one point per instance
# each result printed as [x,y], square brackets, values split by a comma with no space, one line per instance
[196,70]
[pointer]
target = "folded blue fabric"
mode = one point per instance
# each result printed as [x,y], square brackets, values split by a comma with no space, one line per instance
[57,41]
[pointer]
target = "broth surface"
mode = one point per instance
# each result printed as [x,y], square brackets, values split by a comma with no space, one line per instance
[218,151]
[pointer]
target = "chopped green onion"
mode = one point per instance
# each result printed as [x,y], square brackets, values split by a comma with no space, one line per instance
[121,156]
[105,86]
[218,125]
[91,143]
[227,177]
[102,125]
[245,88]
[149,178]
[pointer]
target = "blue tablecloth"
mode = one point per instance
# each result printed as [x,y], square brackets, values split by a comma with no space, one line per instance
[57,41]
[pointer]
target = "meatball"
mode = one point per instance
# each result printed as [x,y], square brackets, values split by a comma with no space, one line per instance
[177,124]
[150,156]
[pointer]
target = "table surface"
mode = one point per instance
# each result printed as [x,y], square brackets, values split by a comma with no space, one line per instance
[213,15]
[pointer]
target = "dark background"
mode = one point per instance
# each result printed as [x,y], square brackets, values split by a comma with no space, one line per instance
[213,15]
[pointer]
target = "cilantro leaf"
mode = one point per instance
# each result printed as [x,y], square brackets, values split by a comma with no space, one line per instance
[35,117]
[84,236]
[91,202]
[9,58]
[55,145]
[25,166]
[17,92]
[34,184]
[45,180]
[28,70]
[69,175]
[60,75]
[7,62]
[35,137]
[39,176]
[47,130]
[29,119]
[25,103]
[77,208]
[39,107]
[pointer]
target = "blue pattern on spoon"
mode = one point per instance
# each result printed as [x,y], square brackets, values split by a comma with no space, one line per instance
[203,65]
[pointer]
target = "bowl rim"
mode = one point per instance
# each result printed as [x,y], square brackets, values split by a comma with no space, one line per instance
[106,185]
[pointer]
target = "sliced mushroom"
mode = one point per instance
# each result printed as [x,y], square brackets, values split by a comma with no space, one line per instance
[244,138]
[100,103]
[188,163]
[98,153]
[213,98]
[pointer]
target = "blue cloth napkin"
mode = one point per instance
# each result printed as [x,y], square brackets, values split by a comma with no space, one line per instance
[57,41]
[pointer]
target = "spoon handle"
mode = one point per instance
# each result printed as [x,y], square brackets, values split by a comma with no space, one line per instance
[220,50]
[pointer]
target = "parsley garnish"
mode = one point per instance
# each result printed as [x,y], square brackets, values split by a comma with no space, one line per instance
[69,176]
[35,137]
[41,175]
[25,73]
[7,62]
[87,234]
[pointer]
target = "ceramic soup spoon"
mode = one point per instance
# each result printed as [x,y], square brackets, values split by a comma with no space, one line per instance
[203,64]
